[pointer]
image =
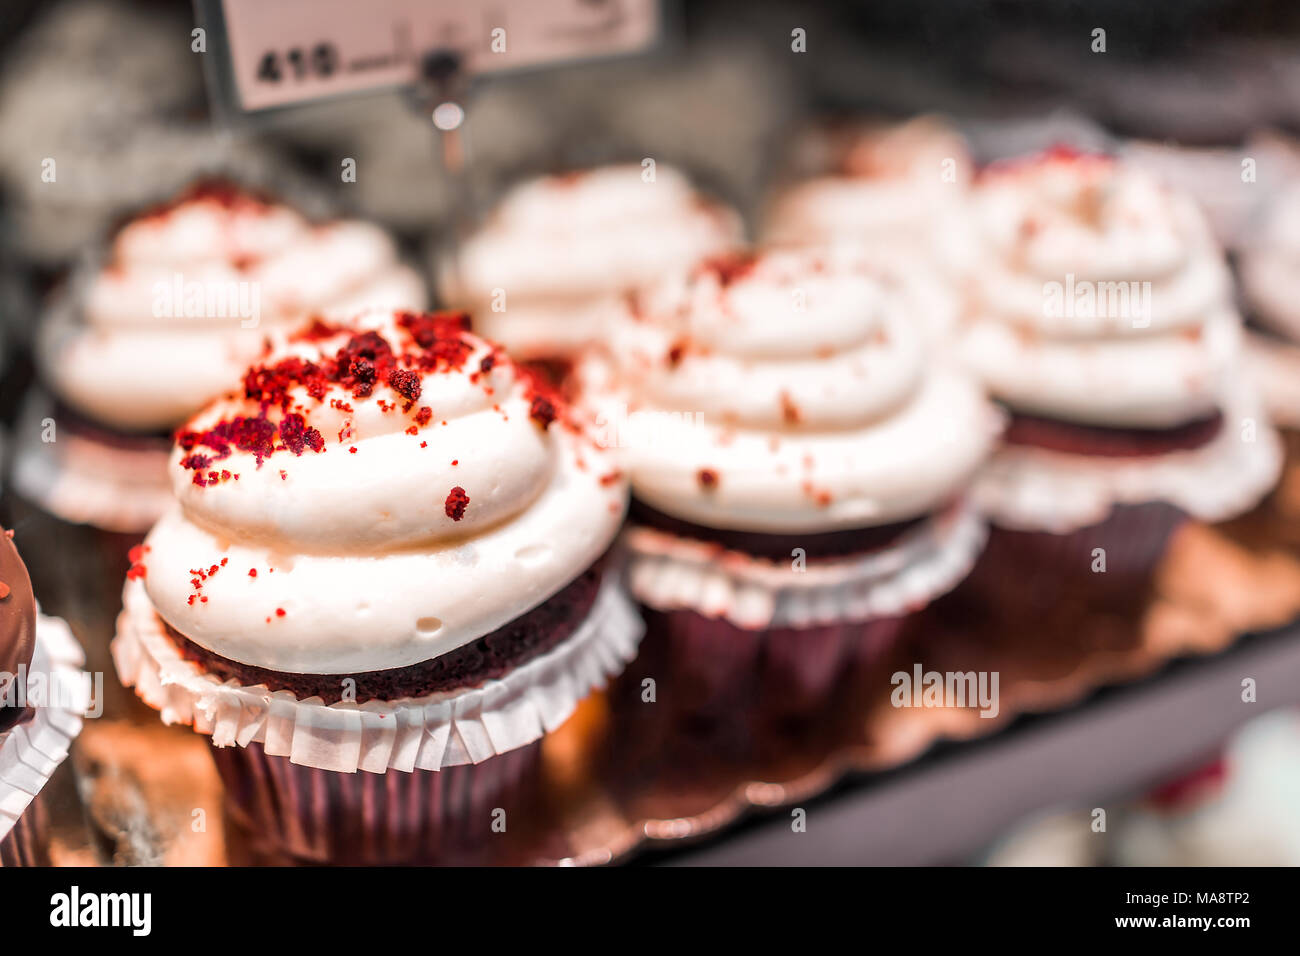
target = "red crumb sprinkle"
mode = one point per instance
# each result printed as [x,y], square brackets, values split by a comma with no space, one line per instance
[707,477]
[610,478]
[789,410]
[457,501]
[136,572]
[279,612]
[676,352]
[424,444]
[412,430]
[455,461]
[729,267]
[252,572]
[283,474]
[352,450]
[424,415]
[542,410]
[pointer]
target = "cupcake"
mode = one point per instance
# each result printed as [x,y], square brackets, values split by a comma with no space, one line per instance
[891,186]
[1269,269]
[546,271]
[383,580]
[179,306]
[798,465]
[42,701]
[1100,315]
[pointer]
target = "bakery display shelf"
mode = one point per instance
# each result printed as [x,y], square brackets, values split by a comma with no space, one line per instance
[1091,702]
[1119,742]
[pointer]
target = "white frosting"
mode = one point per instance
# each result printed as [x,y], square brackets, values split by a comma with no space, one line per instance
[1270,267]
[1274,368]
[1096,295]
[564,248]
[123,348]
[800,386]
[370,570]
[897,185]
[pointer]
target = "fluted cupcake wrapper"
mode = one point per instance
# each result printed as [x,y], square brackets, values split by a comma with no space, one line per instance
[1033,489]
[83,481]
[750,641]
[428,733]
[667,572]
[424,816]
[32,751]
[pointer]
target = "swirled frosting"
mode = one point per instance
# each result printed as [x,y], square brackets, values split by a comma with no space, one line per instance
[1270,267]
[889,185]
[787,391]
[188,289]
[378,494]
[542,271]
[1097,295]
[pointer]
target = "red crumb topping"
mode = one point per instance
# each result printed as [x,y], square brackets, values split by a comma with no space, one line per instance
[708,478]
[542,410]
[789,410]
[457,501]
[213,190]
[430,342]
[136,557]
[608,479]
[676,352]
[279,612]
[729,267]
[252,572]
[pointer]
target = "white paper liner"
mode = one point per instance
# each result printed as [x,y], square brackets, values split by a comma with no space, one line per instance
[1274,367]
[84,481]
[667,572]
[1034,489]
[425,733]
[31,752]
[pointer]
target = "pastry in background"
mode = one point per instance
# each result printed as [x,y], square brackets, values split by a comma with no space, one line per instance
[1101,316]
[798,460]
[547,271]
[178,306]
[384,579]
[892,186]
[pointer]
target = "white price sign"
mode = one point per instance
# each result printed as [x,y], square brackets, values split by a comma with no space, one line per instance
[289,51]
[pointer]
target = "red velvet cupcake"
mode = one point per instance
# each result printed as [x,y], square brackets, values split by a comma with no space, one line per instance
[383,581]
[42,700]
[797,463]
[1101,316]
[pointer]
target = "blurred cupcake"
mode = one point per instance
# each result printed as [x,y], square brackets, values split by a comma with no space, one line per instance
[889,186]
[546,272]
[383,581]
[1101,316]
[42,700]
[176,310]
[798,465]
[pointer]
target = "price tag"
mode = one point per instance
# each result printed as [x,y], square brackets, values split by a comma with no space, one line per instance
[282,52]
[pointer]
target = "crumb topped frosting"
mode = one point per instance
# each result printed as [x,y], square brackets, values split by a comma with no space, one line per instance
[386,489]
[786,391]
[1098,295]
